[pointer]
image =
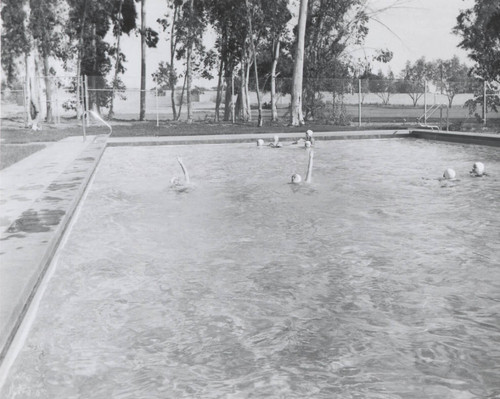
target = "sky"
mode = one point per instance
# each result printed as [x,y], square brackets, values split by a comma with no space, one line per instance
[411,29]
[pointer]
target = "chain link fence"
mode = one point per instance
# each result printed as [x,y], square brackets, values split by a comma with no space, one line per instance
[332,101]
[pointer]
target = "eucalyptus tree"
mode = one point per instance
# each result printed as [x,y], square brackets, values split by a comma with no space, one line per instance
[15,41]
[451,77]
[228,19]
[45,25]
[123,16]
[332,27]
[87,26]
[166,73]
[479,28]
[31,29]
[252,12]
[276,17]
[149,38]
[413,79]
[296,117]
[190,27]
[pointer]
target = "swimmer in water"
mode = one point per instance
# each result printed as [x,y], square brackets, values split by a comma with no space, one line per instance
[260,143]
[449,174]
[175,181]
[309,137]
[296,178]
[276,143]
[477,170]
[308,141]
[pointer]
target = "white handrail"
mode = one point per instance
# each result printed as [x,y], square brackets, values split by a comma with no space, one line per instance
[428,113]
[96,116]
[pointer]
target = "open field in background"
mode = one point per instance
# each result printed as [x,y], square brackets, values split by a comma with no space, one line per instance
[126,107]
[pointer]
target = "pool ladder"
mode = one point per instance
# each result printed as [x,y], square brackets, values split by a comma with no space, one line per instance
[430,111]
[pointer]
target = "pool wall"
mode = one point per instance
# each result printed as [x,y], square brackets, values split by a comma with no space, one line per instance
[458,137]
[30,243]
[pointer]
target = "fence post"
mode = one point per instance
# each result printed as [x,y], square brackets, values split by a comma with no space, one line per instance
[82,99]
[425,102]
[359,102]
[87,99]
[484,102]
[157,116]
[232,97]
[58,112]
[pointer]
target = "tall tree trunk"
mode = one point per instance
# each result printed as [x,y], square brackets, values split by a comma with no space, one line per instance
[254,52]
[189,68]
[276,53]
[227,100]
[48,89]
[32,89]
[296,117]
[93,95]
[79,110]
[219,92]
[241,102]
[142,111]
[248,109]
[173,45]
[111,113]
[181,101]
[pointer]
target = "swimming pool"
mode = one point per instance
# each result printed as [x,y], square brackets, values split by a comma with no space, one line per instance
[377,280]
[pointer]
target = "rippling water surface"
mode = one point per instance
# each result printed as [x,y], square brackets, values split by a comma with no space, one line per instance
[375,281]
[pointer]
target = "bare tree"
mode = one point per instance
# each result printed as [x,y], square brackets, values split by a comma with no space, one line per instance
[296,105]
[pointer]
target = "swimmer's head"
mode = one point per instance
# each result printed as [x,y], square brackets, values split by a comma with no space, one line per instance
[449,174]
[296,178]
[276,139]
[308,144]
[175,181]
[478,168]
[260,143]
[309,133]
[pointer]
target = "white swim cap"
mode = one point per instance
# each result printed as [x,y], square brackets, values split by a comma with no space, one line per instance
[296,178]
[308,144]
[478,168]
[309,132]
[449,174]
[276,139]
[260,142]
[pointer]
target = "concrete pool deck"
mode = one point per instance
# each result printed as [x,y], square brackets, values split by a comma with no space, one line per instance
[40,194]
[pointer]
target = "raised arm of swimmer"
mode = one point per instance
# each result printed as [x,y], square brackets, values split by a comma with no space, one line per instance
[186,174]
[310,167]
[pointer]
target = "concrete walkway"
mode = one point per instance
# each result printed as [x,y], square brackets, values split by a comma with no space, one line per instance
[38,197]
[23,182]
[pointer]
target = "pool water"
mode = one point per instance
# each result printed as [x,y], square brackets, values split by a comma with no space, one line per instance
[377,280]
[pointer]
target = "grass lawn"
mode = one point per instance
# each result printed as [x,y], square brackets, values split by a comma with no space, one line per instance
[12,153]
